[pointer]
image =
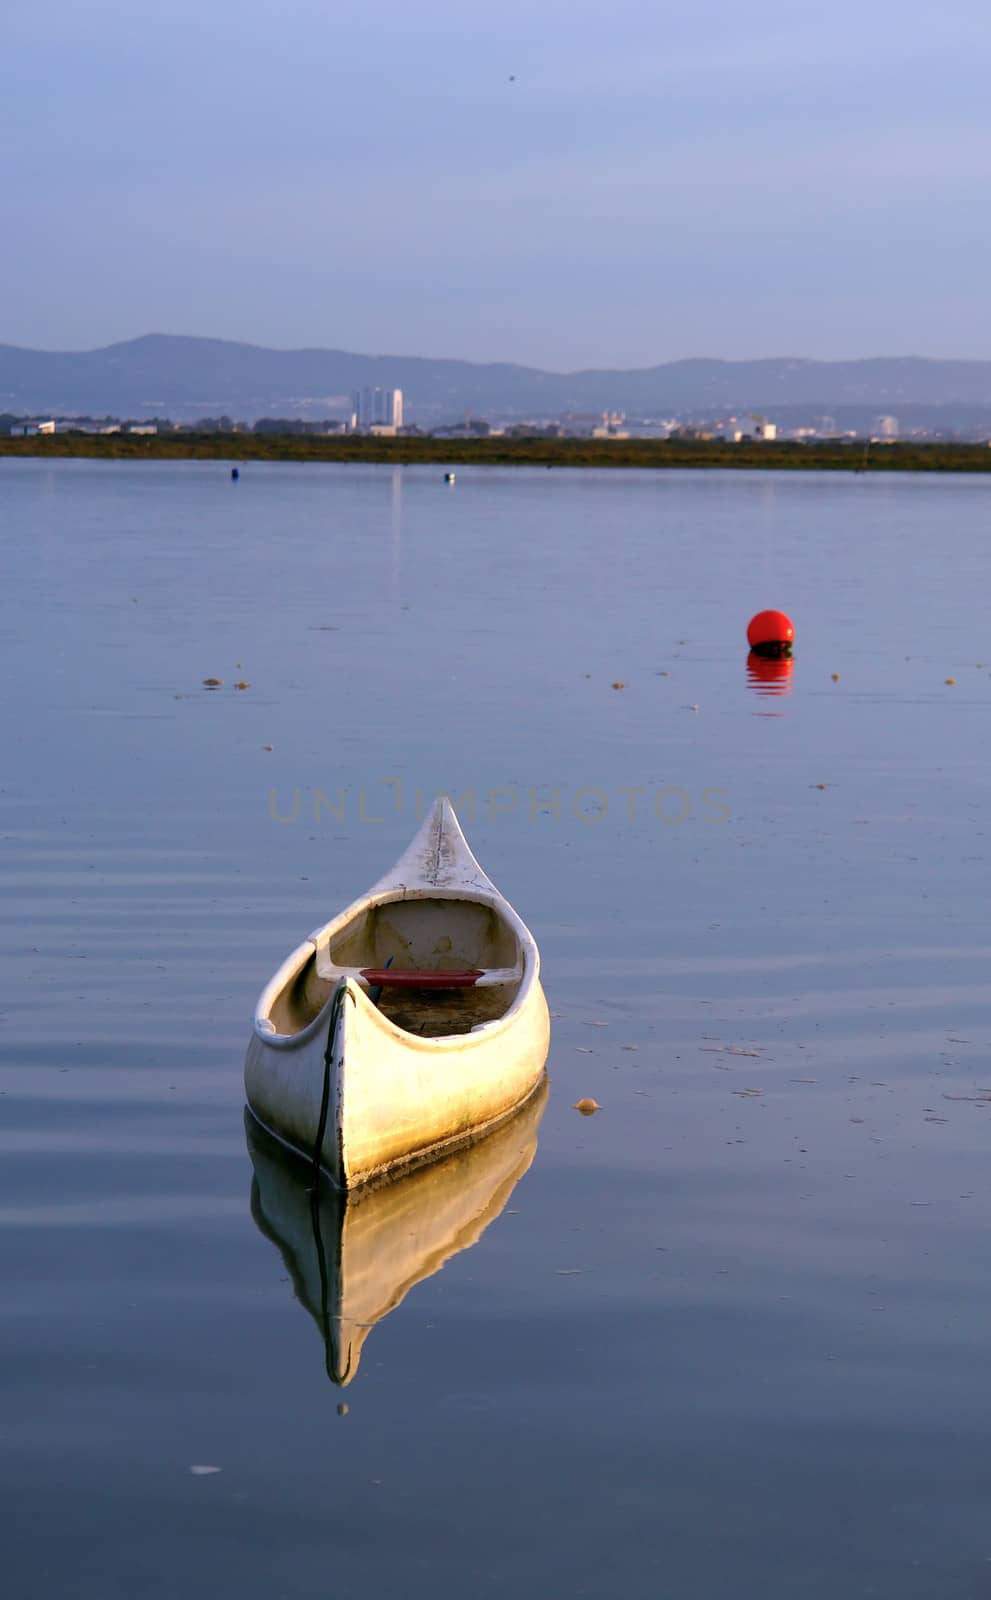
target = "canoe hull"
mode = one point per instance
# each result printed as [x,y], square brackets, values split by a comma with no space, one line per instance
[370,1088]
[393,1100]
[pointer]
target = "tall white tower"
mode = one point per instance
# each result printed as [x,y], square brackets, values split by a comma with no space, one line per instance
[379,408]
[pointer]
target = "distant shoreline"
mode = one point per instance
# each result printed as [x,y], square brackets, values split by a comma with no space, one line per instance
[656,454]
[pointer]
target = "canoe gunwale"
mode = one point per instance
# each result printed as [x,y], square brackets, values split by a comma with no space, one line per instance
[317,942]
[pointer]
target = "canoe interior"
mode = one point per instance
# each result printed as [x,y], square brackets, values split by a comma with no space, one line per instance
[440,1013]
[430,935]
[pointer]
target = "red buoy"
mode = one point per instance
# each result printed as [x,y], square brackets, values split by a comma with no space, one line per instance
[771,633]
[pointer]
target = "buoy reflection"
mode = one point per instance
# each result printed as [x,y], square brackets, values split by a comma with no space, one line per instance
[770,674]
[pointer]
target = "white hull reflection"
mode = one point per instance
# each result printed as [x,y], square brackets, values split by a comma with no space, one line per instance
[353,1258]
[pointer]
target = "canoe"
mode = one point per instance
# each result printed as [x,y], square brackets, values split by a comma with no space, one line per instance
[412,1022]
[352,1258]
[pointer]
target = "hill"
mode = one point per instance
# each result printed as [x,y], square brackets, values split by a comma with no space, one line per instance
[184,378]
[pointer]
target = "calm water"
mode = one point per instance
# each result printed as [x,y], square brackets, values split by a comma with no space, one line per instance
[730,1336]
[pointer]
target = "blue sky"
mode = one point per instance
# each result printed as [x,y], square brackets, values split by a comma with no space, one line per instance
[659,181]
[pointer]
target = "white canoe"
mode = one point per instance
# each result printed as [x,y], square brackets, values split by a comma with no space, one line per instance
[366,1079]
[353,1258]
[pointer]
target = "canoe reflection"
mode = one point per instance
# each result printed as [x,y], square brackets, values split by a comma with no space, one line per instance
[353,1259]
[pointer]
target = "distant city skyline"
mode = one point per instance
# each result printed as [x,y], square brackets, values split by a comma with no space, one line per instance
[538,184]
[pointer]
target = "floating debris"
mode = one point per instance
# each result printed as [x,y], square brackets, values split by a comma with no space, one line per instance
[619,684]
[587,1106]
[212,683]
[204,1472]
[949,680]
[267,747]
[835,677]
[242,685]
[729,1050]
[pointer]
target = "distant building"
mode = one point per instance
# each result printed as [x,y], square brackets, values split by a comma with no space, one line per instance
[757,428]
[593,424]
[379,408]
[887,427]
[46,427]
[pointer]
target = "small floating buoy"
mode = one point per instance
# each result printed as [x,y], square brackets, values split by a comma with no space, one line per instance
[242,685]
[771,633]
[235,474]
[449,477]
[949,680]
[835,677]
[212,683]
[587,1106]
[619,684]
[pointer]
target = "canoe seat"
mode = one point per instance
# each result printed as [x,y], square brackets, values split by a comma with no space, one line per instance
[452,978]
[422,978]
[414,978]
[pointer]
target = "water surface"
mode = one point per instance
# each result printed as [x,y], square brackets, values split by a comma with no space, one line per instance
[726,1337]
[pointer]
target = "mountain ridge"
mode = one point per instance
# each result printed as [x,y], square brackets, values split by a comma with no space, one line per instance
[185,376]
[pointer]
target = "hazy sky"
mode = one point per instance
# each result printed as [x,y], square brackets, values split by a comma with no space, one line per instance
[661,180]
